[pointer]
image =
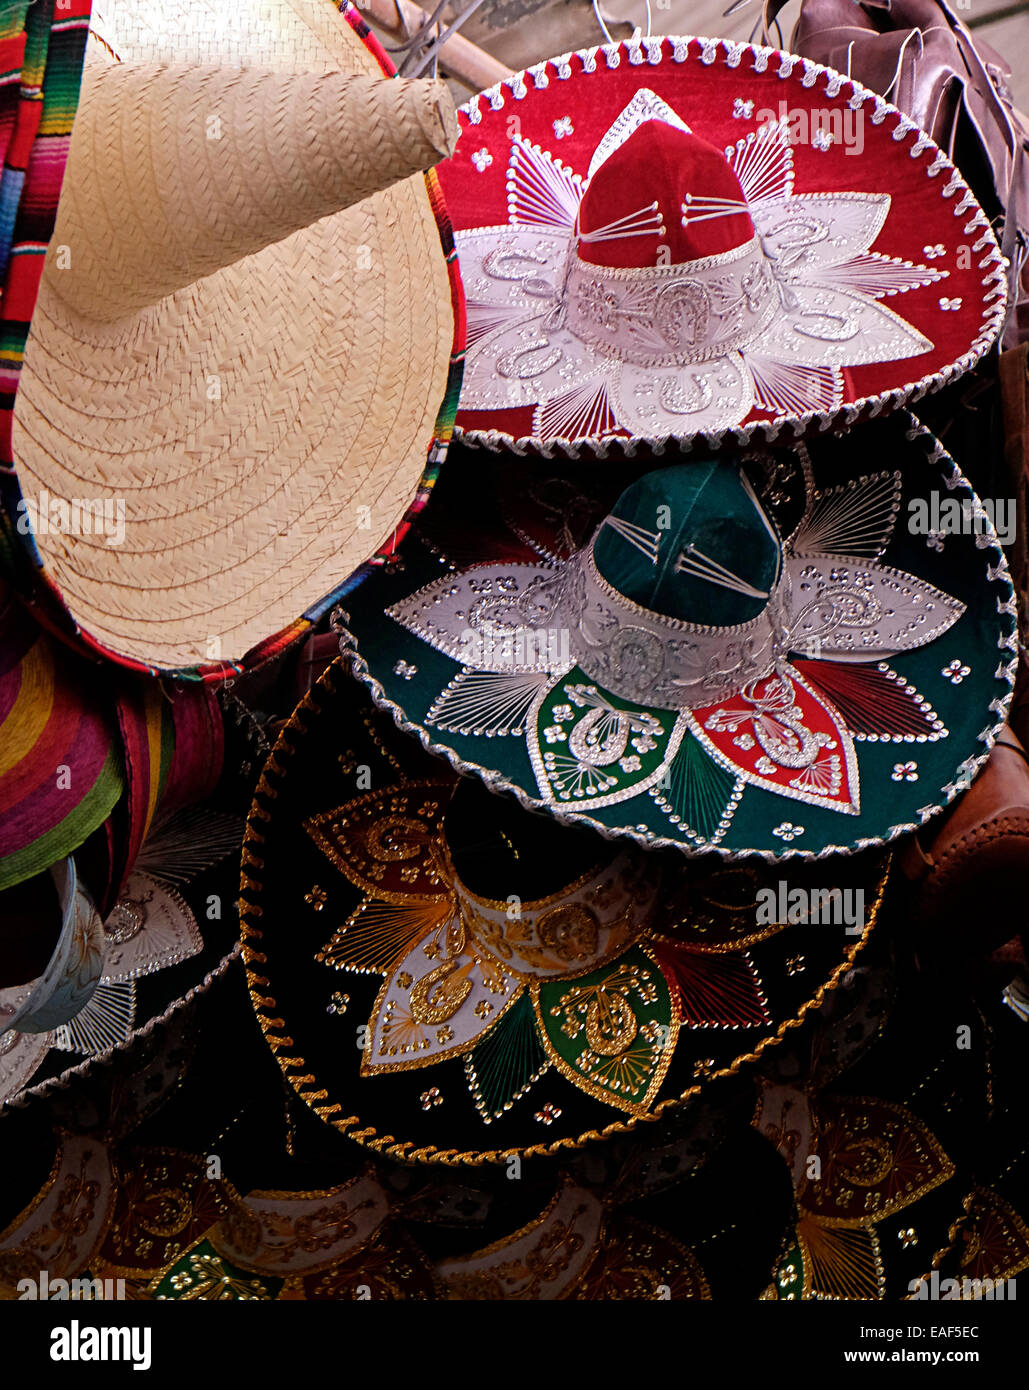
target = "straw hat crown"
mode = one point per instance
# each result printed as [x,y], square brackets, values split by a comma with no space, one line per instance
[175,172]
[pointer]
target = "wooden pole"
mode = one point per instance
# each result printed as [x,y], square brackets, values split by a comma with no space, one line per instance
[461,59]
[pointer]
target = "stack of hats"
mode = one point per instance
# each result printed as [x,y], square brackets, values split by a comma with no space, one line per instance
[225,278]
[582,854]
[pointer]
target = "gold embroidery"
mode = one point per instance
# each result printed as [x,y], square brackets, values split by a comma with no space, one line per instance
[438,995]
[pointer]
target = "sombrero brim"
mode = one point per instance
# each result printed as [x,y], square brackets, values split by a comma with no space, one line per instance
[932,261]
[911,732]
[251,504]
[511,1083]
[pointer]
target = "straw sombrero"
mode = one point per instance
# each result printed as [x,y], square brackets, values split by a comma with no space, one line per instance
[680,237]
[515,987]
[241,345]
[780,656]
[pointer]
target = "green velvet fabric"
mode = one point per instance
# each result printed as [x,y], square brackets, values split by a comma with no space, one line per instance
[703,505]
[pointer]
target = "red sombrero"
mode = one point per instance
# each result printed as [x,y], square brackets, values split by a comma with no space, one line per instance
[675,237]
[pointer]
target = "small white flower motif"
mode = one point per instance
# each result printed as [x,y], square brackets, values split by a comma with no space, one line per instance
[548,1114]
[562,713]
[629,764]
[745,742]
[934,540]
[787,831]
[563,126]
[765,766]
[405,669]
[643,743]
[742,110]
[955,672]
[821,139]
[482,159]
[905,772]
[555,734]
[933,253]
[952,304]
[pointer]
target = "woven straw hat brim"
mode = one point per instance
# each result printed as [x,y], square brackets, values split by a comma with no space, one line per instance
[267,426]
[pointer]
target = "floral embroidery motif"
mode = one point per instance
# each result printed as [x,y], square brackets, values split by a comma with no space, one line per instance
[563,126]
[956,671]
[905,772]
[742,110]
[787,831]
[482,159]
[950,304]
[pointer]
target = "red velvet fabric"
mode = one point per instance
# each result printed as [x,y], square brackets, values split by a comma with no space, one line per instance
[661,164]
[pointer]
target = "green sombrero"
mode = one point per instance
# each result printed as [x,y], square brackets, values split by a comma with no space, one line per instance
[772,656]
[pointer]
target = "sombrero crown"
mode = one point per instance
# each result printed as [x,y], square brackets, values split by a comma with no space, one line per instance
[245,294]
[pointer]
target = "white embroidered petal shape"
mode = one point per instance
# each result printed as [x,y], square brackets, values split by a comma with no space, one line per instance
[851,609]
[825,327]
[149,927]
[486,618]
[709,396]
[811,230]
[431,1007]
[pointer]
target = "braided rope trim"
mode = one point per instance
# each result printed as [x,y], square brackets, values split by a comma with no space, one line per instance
[680,50]
[296,1069]
[998,707]
[110,1055]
